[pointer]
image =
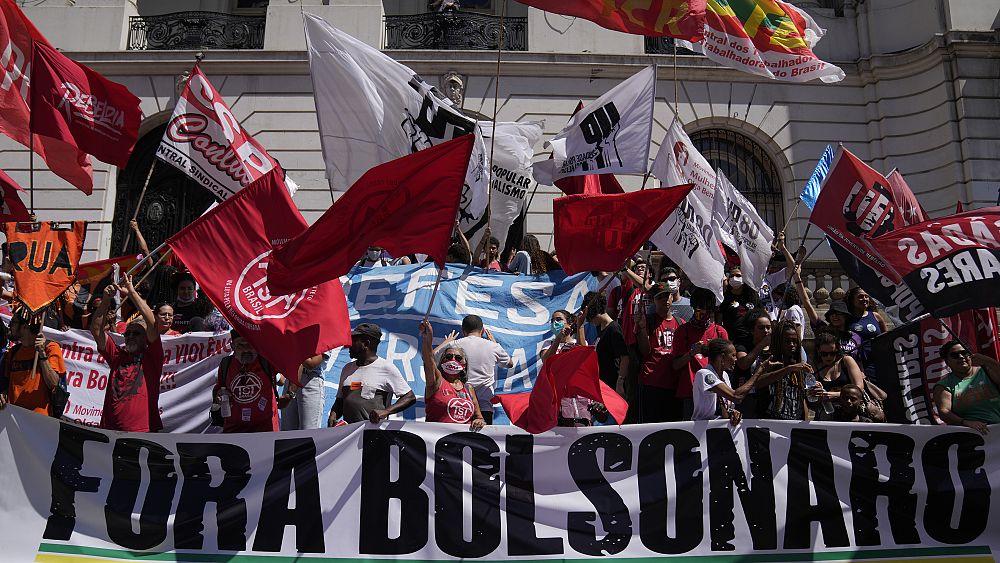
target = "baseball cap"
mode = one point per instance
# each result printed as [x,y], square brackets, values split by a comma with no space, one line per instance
[658,288]
[369,330]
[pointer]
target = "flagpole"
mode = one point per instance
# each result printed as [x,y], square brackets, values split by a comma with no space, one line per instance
[147,274]
[792,214]
[34,364]
[437,284]
[675,76]
[144,258]
[645,177]
[31,172]
[496,97]
[142,195]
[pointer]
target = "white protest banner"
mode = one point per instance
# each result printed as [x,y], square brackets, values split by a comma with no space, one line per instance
[205,141]
[512,148]
[610,134]
[190,363]
[747,234]
[781,491]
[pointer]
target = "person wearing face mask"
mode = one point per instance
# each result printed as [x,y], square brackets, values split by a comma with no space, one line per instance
[247,385]
[738,299]
[448,396]
[564,335]
[657,379]
[368,384]
[131,400]
[187,306]
[690,342]
[374,258]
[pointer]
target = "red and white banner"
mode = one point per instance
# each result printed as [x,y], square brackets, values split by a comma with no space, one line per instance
[13,208]
[16,37]
[206,141]
[228,250]
[75,104]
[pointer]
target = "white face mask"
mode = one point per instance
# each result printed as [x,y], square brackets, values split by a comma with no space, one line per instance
[374,255]
[452,367]
[673,286]
[736,282]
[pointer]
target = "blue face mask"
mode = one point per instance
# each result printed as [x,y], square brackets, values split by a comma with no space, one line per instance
[557,326]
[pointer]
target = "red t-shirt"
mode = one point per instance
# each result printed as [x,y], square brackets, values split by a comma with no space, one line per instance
[448,404]
[631,305]
[252,404]
[131,401]
[684,337]
[657,370]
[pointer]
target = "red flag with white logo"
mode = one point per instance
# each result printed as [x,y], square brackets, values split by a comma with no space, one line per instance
[599,232]
[855,204]
[75,104]
[406,206]
[228,251]
[16,37]
[205,141]
[905,199]
[13,208]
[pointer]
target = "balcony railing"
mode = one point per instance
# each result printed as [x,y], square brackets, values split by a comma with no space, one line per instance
[455,30]
[664,46]
[195,30]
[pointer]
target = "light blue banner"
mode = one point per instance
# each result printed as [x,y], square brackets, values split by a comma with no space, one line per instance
[810,193]
[516,309]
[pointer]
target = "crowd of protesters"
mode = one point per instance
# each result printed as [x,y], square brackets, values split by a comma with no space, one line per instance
[667,347]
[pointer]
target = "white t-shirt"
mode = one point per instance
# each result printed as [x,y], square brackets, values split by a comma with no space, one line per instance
[359,387]
[705,400]
[797,316]
[483,356]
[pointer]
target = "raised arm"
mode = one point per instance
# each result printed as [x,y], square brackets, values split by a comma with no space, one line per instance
[97,325]
[143,247]
[427,352]
[464,241]
[484,243]
[800,288]
[152,335]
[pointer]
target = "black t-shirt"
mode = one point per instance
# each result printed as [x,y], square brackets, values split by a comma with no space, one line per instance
[184,313]
[610,349]
[733,309]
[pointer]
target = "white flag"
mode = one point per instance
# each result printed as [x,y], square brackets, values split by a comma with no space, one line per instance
[370,108]
[679,162]
[512,149]
[687,238]
[610,134]
[742,229]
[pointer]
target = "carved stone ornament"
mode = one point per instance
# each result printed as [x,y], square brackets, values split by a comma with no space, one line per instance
[453,86]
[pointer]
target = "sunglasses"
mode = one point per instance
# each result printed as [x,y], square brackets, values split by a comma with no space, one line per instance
[671,278]
[960,355]
[456,357]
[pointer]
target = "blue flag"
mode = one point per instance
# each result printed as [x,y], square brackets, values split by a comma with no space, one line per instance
[811,191]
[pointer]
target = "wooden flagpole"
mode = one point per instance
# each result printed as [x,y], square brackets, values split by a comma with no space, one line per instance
[138,206]
[437,284]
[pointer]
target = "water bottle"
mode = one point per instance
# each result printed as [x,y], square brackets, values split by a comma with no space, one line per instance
[828,407]
[810,381]
[224,403]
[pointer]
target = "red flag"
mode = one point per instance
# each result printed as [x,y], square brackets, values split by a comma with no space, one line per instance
[683,19]
[228,251]
[951,264]
[987,335]
[405,206]
[75,104]
[567,374]
[958,207]
[855,204]
[91,272]
[16,37]
[599,232]
[905,199]
[589,183]
[13,208]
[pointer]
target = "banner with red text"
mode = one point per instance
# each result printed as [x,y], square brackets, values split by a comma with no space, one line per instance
[410,491]
[206,141]
[190,362]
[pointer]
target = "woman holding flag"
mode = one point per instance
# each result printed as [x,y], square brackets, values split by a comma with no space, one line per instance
[447,396]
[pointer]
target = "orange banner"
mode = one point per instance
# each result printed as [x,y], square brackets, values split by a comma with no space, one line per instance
[43,257]
[92,272]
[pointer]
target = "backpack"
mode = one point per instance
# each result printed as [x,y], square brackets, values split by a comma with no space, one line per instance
[58,395]
[216,415]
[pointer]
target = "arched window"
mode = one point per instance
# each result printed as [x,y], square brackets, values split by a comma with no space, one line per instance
[748,167]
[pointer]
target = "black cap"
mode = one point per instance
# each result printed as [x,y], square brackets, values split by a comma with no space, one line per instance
[369,330]
[838,306]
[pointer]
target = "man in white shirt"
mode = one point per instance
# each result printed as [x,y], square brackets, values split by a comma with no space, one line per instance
[369,383]
[483,355]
